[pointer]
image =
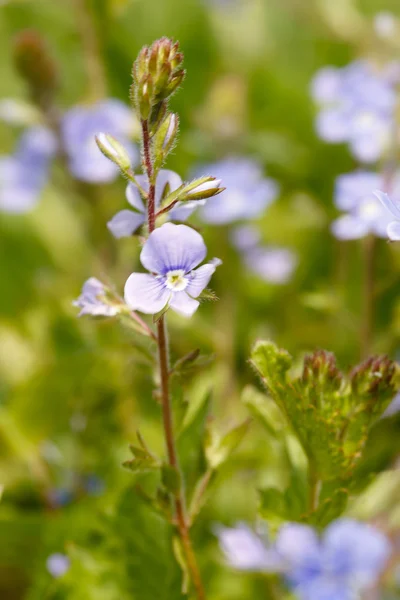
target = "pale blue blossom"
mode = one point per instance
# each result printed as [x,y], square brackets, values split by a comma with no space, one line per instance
[393,209]
[79,127]
[57,564]
[171,255]
[364,214]
[126,222]
[248,193]
[272,264]
[357,105]
[24,174]
[346,560]
[92,300]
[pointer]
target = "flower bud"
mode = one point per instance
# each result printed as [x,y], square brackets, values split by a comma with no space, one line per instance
[36,66]
[113,150]
[165,137]
[145,94]
[202,188]
[160,64]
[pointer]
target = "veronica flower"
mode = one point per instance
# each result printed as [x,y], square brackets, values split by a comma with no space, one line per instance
[24,174]
[357,106]
[393,227]
[347,560]
[171,254]
[126,222]
[58,564]
[365,214]
[79,127]
[247,192]
[245,550]
[92,300]
[272,264]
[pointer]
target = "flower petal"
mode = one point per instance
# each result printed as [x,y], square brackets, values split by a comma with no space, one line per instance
[184,304]
[133,196]
[173,247]
[388,203]
[125,223]
[393,231]
[245,550]
[355,550]
[146,293]
[200,278]
[348,227]
[164,177]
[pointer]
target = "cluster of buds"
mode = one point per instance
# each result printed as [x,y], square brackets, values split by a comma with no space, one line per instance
[36,66]
[320,369]
[375,377]
[157,73]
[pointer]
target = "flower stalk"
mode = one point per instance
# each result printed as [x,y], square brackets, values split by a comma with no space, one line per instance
[164,370]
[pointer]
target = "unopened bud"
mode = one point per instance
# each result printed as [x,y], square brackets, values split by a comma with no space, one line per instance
[145,93]
[174,82]
[36,66]
[202,188]
[113,150]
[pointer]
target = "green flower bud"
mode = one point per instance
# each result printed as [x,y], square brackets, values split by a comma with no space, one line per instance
[202,188]
[113,150]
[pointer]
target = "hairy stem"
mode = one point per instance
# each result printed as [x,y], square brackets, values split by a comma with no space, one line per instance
[163,360]
[149,169]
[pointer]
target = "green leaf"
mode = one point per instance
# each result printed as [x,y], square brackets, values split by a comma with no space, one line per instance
[146,541]
[171,479]
[220,447]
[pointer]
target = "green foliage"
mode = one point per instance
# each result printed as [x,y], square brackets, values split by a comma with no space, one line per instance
[332,416]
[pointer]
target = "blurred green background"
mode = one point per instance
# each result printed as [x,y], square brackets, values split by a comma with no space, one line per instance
[73,392]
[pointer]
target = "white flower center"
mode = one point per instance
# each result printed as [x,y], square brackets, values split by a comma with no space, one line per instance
[176,280]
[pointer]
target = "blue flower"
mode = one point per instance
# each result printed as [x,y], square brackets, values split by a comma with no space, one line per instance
[79,127]
[57,564]
[357,106]
[171,254]
[393,227]
[24,174]
[271,263]
[92,300]
[247,192]
[126,222]
[245,550]
[365,214]
[345,561]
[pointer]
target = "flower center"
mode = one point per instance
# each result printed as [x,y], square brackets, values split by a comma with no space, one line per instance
[176,280]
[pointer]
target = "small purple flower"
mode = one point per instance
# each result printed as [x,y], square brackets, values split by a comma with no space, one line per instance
[171,254]
[92,300]
[365,214]
[357,105]
[347,560]
[245,237]
[245,550]
[392,208]
[272,264]
[24,174]
[126,222]
[350,188]
[57,564]
[247,192]
[79,128]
